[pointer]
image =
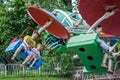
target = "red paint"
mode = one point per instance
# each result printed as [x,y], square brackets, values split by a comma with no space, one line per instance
[93,10]
[15,39]
[41,17]
[105,35]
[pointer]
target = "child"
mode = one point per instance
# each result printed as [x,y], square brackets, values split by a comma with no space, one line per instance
[34,56]
[28,43]
[107,51]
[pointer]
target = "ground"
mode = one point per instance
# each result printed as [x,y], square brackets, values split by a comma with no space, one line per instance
[36,78]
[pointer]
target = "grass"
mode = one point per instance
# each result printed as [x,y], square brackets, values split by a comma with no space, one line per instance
[36,78]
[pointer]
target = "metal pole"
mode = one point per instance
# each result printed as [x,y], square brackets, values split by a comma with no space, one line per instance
[45,26]
[66,15]
[105,16]
[5,70]
[23,70]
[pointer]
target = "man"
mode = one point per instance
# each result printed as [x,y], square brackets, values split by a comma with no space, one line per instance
[28,43]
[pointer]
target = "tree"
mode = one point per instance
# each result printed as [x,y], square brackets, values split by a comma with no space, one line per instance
[14,19]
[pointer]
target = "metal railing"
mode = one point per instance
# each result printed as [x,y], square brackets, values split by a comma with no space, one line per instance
[14,70]
[2,70]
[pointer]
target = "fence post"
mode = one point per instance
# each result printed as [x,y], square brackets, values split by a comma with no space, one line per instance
[5,70]
[39,71]
[23,70]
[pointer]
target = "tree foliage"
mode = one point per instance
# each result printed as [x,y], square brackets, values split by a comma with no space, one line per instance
[14,19]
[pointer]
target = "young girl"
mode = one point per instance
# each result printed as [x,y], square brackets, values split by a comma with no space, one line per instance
[34,56]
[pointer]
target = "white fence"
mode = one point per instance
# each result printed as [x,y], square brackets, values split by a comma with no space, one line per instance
[2,70]
[14,70]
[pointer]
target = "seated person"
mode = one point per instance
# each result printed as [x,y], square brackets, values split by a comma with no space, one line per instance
[28,43]
[57,44]
[107,51]
[34,55]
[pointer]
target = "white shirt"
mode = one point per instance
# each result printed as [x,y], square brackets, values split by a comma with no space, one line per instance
[36,52]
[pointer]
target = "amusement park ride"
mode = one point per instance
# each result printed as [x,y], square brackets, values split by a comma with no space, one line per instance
[94,12]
